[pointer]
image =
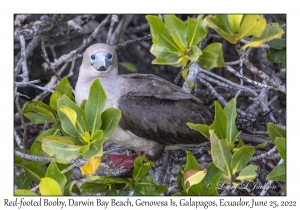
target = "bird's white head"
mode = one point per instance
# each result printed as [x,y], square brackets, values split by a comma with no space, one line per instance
[99,60]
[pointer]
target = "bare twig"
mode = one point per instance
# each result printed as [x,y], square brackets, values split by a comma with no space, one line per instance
[41,88]
[126,19]
[255,138]
[32,45]
[138,29]
[264,155]
[111,172]
[272,100]
[44,26]
[262,75]
[51,67]
[73,25]
[25,84]
[191,77]
[17,139]
[113,21]
[32,157]
[25,74]
[254,70]
[124,44]
[246,79]
[20,19]
[213,91]
[241,81]
[66,57]
[234,85]
[22,121]
[176,80]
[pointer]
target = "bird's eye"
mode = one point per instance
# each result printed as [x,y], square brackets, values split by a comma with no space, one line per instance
[93,57]
[109,56]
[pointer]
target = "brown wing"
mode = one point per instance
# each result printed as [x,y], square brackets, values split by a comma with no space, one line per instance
[161,113]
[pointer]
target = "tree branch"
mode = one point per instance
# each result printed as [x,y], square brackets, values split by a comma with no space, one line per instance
[43,27]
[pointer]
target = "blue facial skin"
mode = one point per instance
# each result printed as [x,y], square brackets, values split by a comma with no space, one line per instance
[101,60]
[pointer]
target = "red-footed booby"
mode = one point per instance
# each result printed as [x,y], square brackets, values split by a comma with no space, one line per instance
[154,111]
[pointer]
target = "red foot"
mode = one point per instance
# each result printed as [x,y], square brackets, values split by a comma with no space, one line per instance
[123,161]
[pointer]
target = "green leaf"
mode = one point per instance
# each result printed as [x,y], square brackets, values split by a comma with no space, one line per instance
[193,177]
[275,131]
[220,123]
[208,60]
[146,188]
[193,53]
[216,48]
[33,171]
[225,23]
[98,136]
[65,88]
[111,180]
[240,143]
[212,56]
[178,29]
[202,128]
[82,106]
[94,106]
[220,153]
[276,56]
[110,119]
[211,180]
[272,31]
[112,193]
[95,150]
[93,188]
[36,148]
[54,173]
[280,143]
[165,57]
[62,149]
[86,137]
[196,31]
[241,158]
[83,149]
[235,22]
[208,185]
[252,25]
[180,179]
[49,186]
[80,124]
[39,112]
[71,187]
[191,162]
[219,27]
[62,167]
[129,66]
[278,173]
[261,146]
[70,113]
[160,34]
[23,192]
[53,99]
[141,167]
[22,181]
[278,44]
[248,173]
[67,118]
[230,111]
